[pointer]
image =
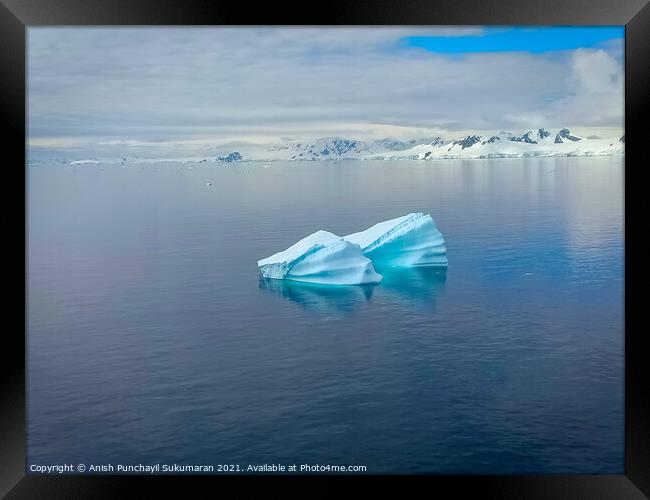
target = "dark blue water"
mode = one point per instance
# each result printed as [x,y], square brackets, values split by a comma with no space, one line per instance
[151,338]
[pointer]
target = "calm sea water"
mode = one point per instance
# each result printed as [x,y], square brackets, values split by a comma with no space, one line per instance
[151,338]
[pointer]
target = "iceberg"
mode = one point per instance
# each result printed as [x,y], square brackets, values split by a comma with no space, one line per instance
[410,240]
[321,257]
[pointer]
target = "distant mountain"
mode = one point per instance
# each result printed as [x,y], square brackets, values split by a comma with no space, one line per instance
[328,148]
[232,157]
[466,142]
[564,135]
[532,136]
[332,147]
[395,145]
[530,143]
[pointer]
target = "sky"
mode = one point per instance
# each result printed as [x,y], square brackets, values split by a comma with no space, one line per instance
[169,86]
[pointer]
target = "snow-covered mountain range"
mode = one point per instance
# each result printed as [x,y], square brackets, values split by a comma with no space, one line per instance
[331,148]
[536,142]
[530,143]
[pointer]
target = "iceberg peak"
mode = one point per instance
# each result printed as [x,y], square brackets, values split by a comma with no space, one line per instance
[410,240]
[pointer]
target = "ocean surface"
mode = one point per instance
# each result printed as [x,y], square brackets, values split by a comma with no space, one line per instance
[151,338]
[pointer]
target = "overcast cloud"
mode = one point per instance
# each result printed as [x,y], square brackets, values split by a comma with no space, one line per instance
[91,85]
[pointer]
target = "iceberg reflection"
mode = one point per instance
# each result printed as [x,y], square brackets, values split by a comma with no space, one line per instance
[418,284]
[326,299]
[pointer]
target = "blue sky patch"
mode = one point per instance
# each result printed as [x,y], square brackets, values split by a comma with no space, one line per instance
[536,40]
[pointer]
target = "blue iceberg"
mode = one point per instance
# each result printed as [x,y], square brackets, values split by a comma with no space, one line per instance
[410,240]
[323,258]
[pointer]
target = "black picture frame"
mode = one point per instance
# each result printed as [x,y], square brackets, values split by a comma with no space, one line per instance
[17,15]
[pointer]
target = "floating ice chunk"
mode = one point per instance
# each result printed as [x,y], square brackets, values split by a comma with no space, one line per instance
[410,240]
[323,258]
[83,162]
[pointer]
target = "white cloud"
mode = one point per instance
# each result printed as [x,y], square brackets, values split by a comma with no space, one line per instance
[165,84]
[596,90]
[596,71]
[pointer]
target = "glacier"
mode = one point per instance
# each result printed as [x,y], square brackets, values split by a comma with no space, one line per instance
[321,257]
[410,240]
